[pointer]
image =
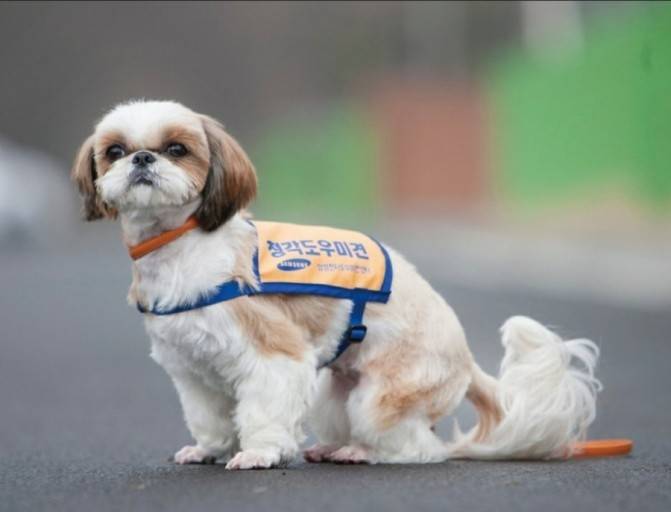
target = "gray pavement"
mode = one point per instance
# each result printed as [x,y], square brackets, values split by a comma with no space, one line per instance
[87,420]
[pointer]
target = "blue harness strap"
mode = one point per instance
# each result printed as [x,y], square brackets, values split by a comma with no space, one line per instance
[355,333]
[224,292]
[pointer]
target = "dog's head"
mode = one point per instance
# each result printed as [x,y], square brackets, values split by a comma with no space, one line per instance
[149,155]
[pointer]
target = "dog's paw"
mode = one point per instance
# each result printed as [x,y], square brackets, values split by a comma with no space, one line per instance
[319,452]
[193,455]
[348,455]
[250,459]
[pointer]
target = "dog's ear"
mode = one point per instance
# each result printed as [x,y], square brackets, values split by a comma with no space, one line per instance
[84,175]
[231,178]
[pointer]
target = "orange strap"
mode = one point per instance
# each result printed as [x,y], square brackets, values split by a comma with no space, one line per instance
[143,248]
[603,448]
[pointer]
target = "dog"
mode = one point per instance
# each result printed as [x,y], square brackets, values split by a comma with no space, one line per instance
[250,372]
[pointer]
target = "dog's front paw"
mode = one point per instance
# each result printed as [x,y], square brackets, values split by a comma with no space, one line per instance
[349,455]
[319,452]
[250,459]
[193,455]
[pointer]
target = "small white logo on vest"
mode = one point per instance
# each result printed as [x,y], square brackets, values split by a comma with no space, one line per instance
[293,264]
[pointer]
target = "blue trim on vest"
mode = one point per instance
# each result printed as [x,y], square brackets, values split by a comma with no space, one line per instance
[325,290]
[255,266]
[356,331]
[388,269]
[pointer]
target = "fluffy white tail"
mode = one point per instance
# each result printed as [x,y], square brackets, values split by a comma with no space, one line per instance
[542,403]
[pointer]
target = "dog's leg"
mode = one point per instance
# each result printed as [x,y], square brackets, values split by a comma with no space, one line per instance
[392,414]
[208,416]
[386,436]
[328,417]
[272,403]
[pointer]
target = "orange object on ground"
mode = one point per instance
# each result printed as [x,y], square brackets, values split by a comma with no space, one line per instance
[603,448]
[150,245]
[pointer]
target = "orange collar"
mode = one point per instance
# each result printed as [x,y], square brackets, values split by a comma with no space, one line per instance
[151,244]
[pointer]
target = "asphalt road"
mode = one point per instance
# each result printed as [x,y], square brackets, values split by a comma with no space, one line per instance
[87,420]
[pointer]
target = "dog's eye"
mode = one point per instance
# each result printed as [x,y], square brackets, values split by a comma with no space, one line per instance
[176,149]
[115,151]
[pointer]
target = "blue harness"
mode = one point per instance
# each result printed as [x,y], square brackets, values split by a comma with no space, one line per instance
[356,330]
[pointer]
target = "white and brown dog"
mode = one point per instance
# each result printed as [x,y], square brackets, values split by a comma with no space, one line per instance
[246,370]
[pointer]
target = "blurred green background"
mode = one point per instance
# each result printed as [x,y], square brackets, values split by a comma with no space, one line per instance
[595,117]
[321,168]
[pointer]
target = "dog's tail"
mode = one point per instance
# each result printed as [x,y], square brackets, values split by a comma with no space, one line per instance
[542,402]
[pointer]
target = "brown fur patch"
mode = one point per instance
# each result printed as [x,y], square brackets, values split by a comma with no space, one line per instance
[269,329]
[194,166]
[489,411]
[196,161]
[106,139]
[313,314]
[285,324]
[398,397]
[396,403]
[193,141]
[102,144]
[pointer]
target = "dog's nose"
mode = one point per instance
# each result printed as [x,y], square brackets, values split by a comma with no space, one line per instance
[143,158]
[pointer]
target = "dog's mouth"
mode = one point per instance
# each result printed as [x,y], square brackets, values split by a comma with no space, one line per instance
[141,176]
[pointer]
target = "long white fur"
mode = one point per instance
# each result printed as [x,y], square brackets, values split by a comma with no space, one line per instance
[249,408]
[547,391]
